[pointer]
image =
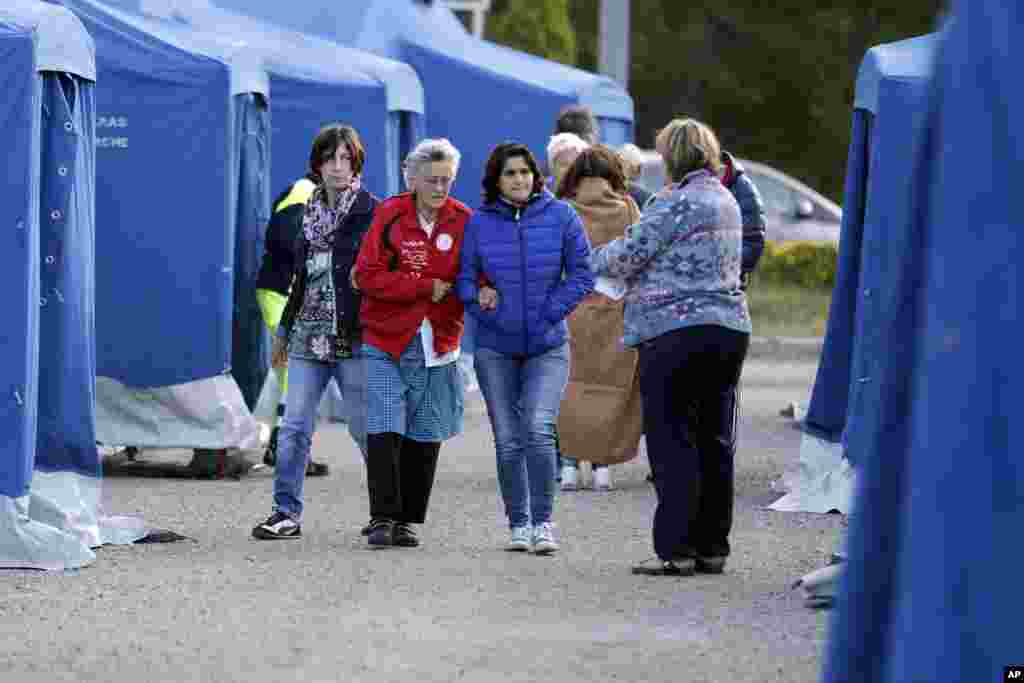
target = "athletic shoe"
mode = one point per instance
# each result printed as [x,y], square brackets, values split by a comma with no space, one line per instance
[602,478]
[519,541]
[405,536]
[569,476]
[382,533]
[544,539]
[277,526]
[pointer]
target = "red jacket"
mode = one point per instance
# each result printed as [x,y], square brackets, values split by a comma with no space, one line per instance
[396,269]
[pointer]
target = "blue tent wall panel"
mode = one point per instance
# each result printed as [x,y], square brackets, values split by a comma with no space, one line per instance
[67,371]
[301,108]
[250,342]
[886,236]
[163,248]
[826,414]
[515,111]
[946,490]
[19,259]
[615,132]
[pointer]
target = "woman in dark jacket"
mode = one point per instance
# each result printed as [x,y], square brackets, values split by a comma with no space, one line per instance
[319,336]
[525,267]
[413,323]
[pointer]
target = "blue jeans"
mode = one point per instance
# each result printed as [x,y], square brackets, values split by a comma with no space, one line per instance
[523,396]
[307,380]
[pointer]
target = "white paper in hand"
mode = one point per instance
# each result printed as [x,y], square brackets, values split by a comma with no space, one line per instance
[611,287]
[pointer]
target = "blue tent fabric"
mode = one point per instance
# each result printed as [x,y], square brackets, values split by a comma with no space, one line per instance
[884,130]
[478,93]
[313,82]
[67,340]
[19,251]
[164,195]
[250,341]
[932,586]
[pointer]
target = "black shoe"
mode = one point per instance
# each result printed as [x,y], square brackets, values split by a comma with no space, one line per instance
[365,531]
[317,469]
[278,526]
[405,536]
[656,566]
[710,564]
[382,533]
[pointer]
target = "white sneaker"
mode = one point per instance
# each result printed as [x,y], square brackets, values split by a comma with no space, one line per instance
[519,541]
[602,478]
[569,476]
[544,539]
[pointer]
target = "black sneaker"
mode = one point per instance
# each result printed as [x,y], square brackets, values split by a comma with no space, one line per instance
[316,469]
[277,526]
[405,536]
[710,564]
[365,531]
[382,533]
[655,566]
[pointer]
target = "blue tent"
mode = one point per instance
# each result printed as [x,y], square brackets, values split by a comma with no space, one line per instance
[932,588]
[888,115]
[49,469]
[314,81]
[171,204]
[478,93]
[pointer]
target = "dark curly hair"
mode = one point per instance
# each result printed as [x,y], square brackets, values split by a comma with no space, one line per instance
[327,142]
[598,161]
[496,164]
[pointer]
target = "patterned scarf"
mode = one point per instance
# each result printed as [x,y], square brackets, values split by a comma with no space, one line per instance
[321,220]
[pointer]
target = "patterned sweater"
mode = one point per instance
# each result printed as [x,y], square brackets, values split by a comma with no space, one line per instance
[681,262]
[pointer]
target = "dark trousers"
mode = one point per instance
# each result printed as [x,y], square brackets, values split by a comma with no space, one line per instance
[400,475]
[688,385]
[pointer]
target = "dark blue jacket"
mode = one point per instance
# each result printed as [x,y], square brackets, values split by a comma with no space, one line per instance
[538,258]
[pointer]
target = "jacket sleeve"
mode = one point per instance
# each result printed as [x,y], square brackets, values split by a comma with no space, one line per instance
[579,278]
[298,290]
[628,255]
[373,275]
[752,211]
[467,286]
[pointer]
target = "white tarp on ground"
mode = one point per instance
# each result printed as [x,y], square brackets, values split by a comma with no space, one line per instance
[208,413]
[823,481]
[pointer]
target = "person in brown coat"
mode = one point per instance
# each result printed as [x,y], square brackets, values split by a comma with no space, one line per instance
[600,418]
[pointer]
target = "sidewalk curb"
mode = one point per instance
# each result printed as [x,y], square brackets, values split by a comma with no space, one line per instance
[786,348]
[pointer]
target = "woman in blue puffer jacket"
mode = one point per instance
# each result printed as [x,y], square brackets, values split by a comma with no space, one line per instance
[525,267]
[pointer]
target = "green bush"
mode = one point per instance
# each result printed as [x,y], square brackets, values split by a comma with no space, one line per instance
[805,264]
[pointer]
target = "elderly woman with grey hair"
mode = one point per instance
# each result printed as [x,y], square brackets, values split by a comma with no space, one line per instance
[413,326]
[687,315]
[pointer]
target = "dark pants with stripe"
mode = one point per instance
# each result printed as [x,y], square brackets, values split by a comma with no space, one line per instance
[688,384]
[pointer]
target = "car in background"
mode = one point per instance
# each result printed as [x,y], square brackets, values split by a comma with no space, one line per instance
[793,211]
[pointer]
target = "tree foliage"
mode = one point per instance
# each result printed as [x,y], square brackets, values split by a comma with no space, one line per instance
[540,28]
[775,80]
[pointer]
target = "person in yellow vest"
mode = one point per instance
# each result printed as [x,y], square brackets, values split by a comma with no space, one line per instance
[275,280]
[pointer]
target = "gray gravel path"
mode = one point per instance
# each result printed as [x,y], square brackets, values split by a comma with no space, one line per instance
[324,608]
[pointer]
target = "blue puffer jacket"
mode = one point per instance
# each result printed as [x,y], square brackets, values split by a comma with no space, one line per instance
[538,258]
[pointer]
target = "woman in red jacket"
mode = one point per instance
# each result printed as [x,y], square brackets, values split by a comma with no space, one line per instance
[412,326]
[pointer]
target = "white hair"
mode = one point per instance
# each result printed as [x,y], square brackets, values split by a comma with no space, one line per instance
[562,142]
[427,152]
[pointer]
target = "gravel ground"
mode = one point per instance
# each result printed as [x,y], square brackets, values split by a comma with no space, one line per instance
[324,608]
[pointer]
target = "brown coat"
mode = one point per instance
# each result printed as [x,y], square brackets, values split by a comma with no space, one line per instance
[600,419]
